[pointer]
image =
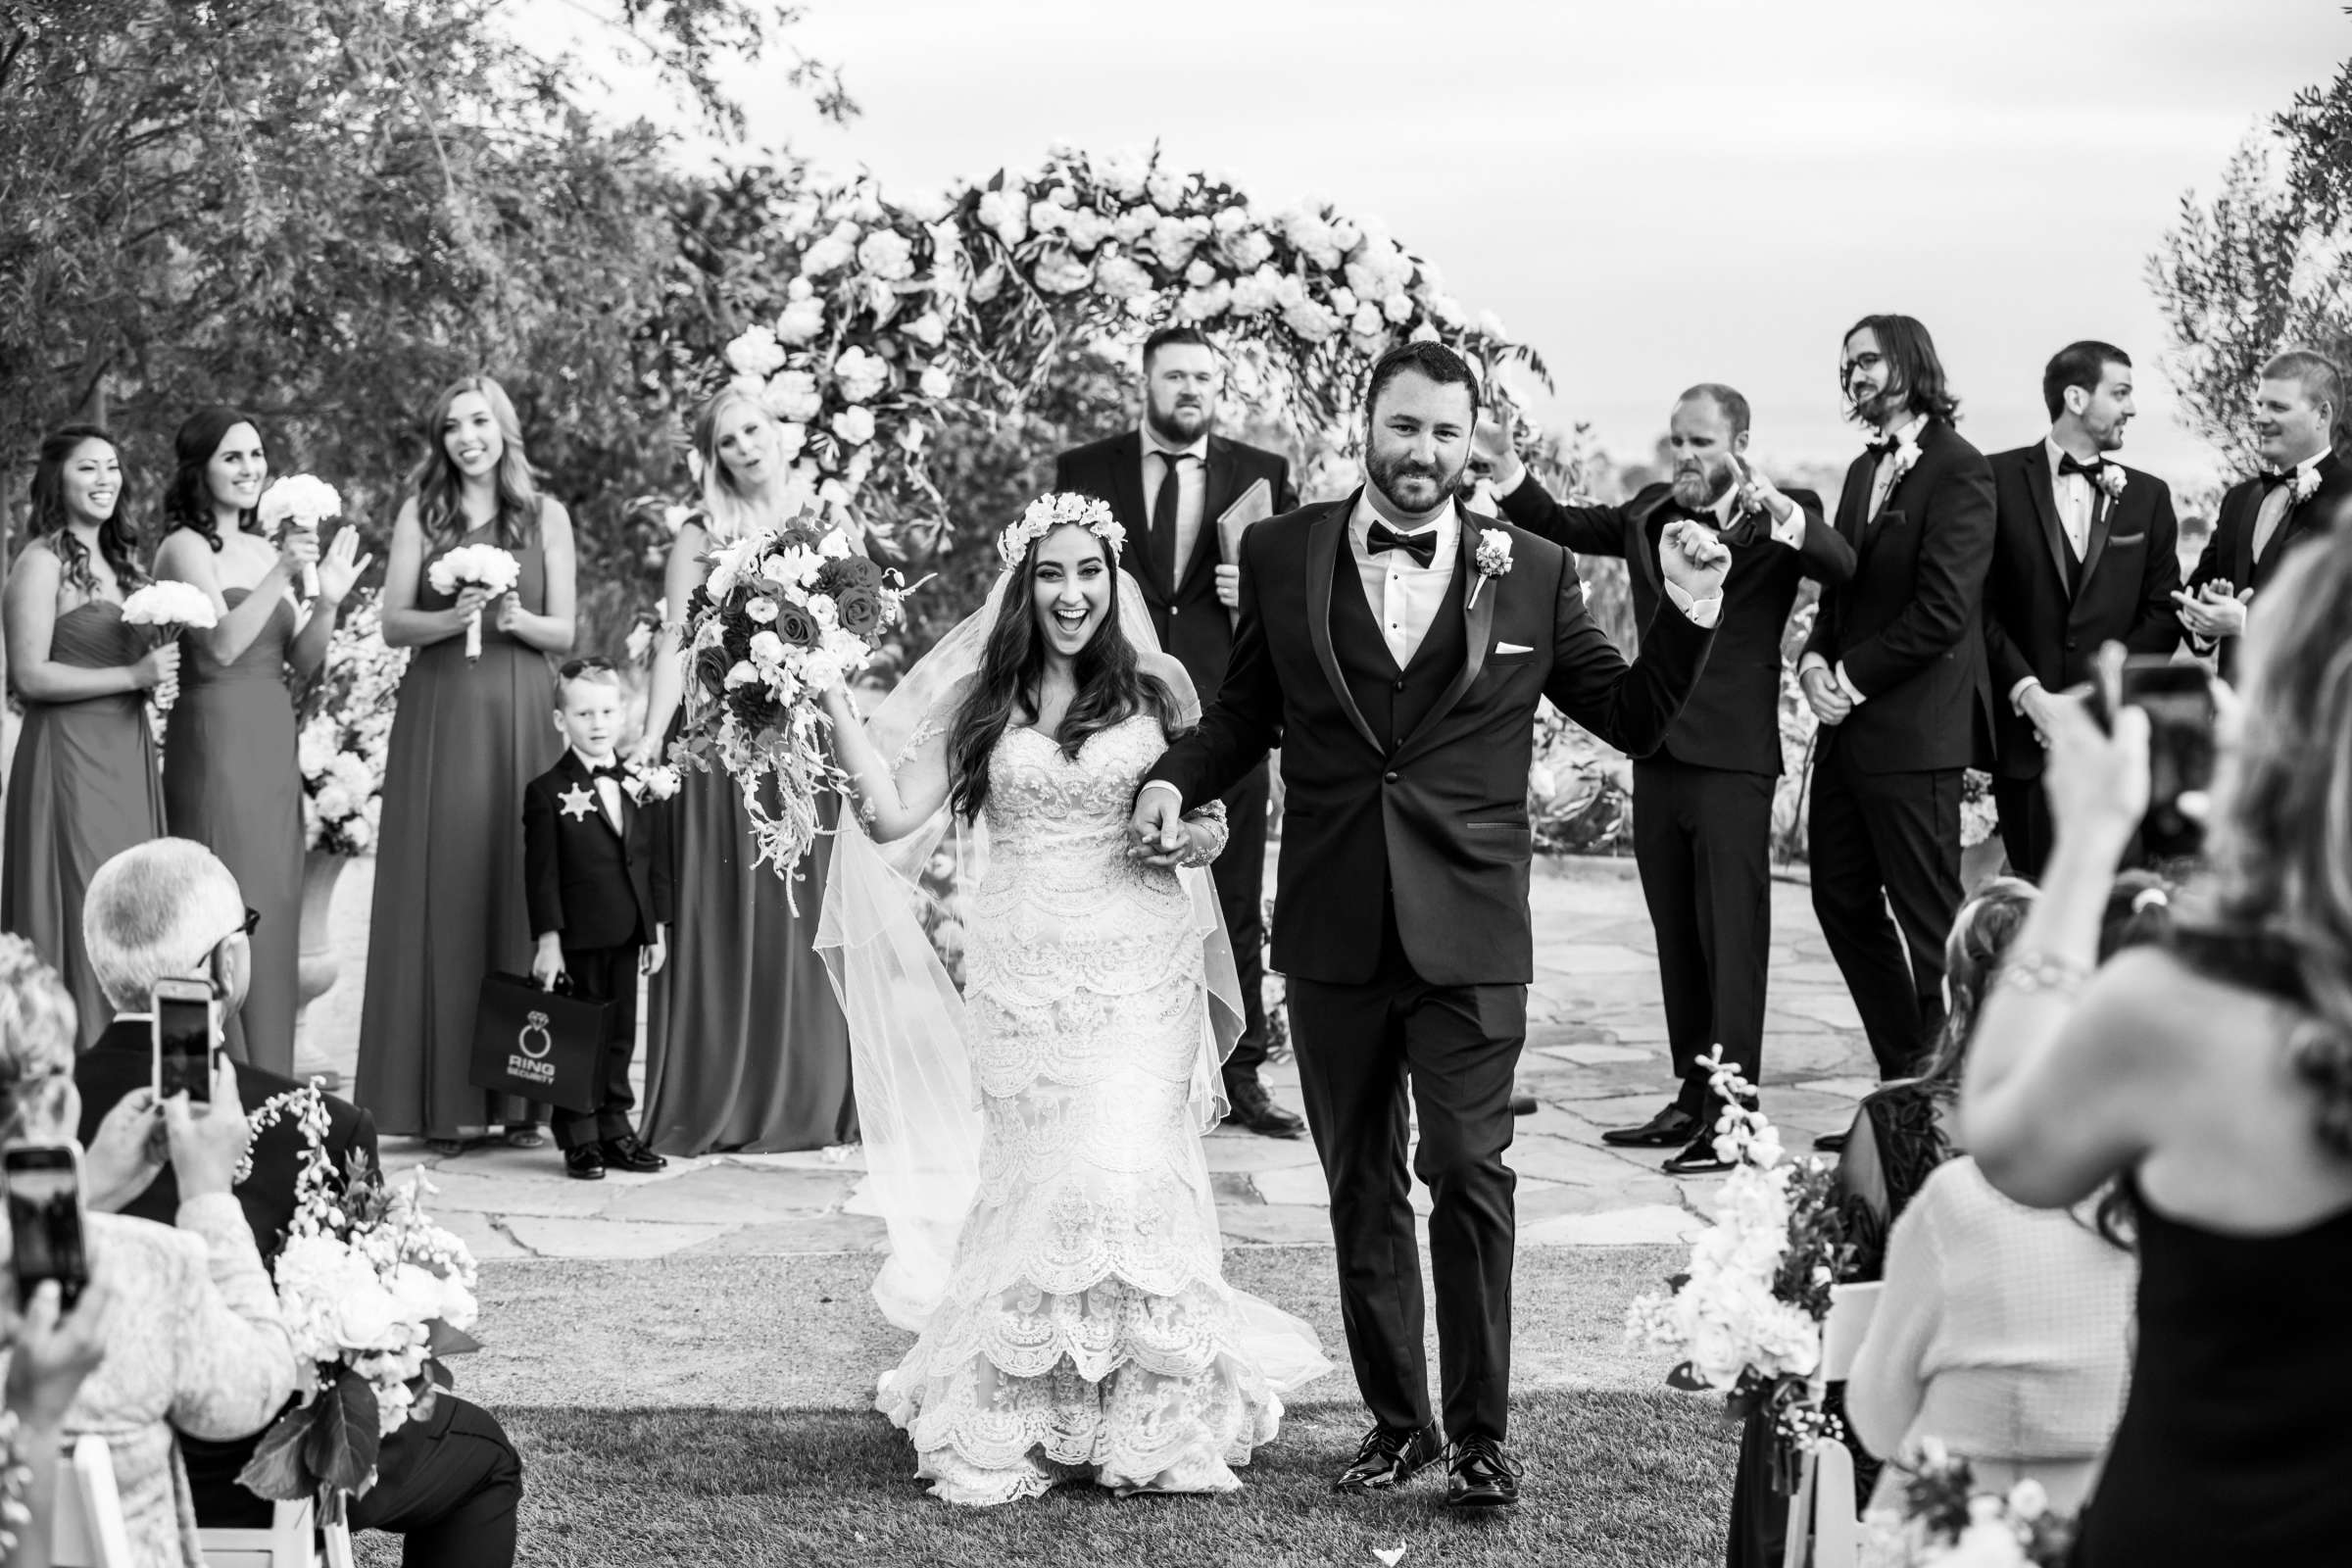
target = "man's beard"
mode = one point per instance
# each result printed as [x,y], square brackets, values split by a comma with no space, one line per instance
[2110,439]
[1699,491]
[1877,409]
[1387,473]
[1170,424]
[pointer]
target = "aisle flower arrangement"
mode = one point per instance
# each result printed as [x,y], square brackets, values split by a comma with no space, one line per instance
[374,1295]
[347,732]
[1946,1521]
[1747,1316]
[784,614]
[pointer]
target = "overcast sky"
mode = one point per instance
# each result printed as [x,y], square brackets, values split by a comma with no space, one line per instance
[1652,194]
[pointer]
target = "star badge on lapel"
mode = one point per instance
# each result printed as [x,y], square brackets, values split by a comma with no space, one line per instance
[578,801]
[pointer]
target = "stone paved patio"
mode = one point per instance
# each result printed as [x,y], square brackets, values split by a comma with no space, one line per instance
[1595,1057]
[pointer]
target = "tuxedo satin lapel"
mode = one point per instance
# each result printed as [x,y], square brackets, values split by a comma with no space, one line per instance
[1325,538]
[1135,512]
[2103,508]
[2250,510]
[1477,620]
[2045,507]
[2310,513]
[1642,550]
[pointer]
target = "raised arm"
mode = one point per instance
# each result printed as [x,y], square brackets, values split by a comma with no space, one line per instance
[1585,531]
[1627,706]
[186,558]
[894,797]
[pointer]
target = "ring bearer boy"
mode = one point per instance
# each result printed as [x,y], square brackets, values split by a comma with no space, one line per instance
[597,880]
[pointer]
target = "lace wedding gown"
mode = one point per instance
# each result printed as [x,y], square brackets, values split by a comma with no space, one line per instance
[1086,1332]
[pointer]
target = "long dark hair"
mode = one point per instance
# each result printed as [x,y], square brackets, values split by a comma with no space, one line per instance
[188,499]
[1918,370]
[439,487]
[1112,687]
[118,541]
[1981,933]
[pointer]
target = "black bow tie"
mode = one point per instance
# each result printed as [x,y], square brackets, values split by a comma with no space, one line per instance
[2089,471]
[2272,481]
[610,770]
[1421,546]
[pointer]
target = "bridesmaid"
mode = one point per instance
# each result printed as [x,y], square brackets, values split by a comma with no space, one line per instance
[466,737]
[746,1047]
[230,781]
[83,787]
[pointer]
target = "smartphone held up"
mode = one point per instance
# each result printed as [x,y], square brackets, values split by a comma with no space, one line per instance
[2177,698]
[185,1020]
[45,1221]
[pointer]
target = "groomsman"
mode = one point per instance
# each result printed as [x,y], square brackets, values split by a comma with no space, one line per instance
[1702,802]
[2301,431]
[2084,553]
[1894,671]
[1192,476]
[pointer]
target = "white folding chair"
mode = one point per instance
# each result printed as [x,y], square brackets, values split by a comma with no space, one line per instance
[293,1539]
[88,1530]
[1824,1512]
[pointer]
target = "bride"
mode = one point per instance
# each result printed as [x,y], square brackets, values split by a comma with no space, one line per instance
[1034,1145]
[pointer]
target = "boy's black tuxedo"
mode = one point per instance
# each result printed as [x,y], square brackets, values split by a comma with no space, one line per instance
[1884,830]
[2229,555]
[2047,613]
[1194,626]
[1401,916]
[605,890]
[1702,802]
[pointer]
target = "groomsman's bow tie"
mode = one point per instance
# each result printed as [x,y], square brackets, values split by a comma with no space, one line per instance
[2272,481]
[2089,471]
[1421,546]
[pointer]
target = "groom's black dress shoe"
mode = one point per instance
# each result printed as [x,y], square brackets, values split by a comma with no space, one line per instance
[1480,1475]
[1699,1158]
[1391,1456]
[1831,1143]
[1668,1129]
[585,1163]
[1251,1108]
[627,1154]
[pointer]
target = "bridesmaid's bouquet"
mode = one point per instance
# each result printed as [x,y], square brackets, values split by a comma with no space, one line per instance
[1946,1521]
[165,610]
[484,567]
[301,502]
[786,612]
[373,1293]
[1747,1316]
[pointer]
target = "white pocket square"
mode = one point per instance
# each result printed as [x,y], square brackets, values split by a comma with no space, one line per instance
[1504,649]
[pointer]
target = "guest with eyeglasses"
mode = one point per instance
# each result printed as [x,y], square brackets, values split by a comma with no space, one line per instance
[449,905]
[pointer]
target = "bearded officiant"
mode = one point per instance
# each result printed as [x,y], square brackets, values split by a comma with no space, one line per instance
[1184,494]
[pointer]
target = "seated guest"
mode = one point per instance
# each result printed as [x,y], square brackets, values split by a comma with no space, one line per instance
[2213,1077]
[449,1483]
[51,1353]
[1899,1135]
[194,1338]
[2004,1331]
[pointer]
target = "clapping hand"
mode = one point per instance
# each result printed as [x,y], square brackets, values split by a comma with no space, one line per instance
[1695,560]
[340,566]
[2214,611]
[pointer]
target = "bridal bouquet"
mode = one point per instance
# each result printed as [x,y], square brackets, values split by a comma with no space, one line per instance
[346,733]
[373,1293]
[301,502]
[165,610]
[484,567]
[1945,1521]
[785,612]
[1746,1316]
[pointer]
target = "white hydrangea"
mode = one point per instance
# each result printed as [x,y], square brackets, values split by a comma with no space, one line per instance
[1059,272]
[1047,218]
[1087,229]
[1201,273]
[1397,307]
[1173,239]
[1125,172]
[1134,223]
[1257,292]
[1307,231]
[1121,278]
[1368,321]
[937,382]
[1006,213]
[1166,188]
[1247,249]
[887,255]
[1205,304]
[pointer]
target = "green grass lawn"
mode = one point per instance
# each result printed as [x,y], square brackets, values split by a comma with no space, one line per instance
[1615,1477]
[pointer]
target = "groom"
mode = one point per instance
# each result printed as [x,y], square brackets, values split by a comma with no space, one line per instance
[1395,647]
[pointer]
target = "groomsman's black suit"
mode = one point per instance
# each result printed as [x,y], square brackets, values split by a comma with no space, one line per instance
[1884,824]
[2229,555]
[1702,802]
[1401,918]
[1198,629]
[2047,613]
[447,1482]
[605,890]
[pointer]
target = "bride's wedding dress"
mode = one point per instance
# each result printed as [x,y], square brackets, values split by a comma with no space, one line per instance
[1086,1330]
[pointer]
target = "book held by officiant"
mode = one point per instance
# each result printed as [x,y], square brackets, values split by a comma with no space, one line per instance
[1253,505]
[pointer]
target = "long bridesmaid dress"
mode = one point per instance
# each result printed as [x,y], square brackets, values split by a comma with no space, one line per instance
[82,790]
[449,903]
[746,1045]
[230,783]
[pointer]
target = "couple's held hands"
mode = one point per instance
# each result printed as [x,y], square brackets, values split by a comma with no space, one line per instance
[1694,559]
[1159,835]
[2213,611]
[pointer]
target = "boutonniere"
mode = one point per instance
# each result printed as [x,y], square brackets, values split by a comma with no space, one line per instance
[1906,454]
[2112,480]
[658,780]
[2307,484]
[1493,558]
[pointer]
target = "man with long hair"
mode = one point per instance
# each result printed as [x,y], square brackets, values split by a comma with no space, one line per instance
[1192,477]
[1894,671]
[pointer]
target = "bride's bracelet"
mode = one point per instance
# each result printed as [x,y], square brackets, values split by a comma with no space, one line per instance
[2045,973]
[1213,817]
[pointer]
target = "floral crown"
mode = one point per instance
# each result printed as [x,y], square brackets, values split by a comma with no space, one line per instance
[1051,512]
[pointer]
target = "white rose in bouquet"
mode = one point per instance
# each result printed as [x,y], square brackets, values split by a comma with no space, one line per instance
[755,353]
[1368,321]
[855,426]
[1201,273]
[803,322]
[927,206]
[1311,235]
[766,648]
[832,253]
[937,382]
[359,830]
[860,375]
[1005,214]
[887,254]
[1229,220]
[793,395]
[1397,307]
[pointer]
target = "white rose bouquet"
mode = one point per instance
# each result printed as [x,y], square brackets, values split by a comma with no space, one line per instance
[301,502]
[373,1293]
[165,610]
[484,567]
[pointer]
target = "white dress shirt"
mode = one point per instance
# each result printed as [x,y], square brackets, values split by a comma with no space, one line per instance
[1404,595]
[1882,479]
[2277,503]
[1192,490]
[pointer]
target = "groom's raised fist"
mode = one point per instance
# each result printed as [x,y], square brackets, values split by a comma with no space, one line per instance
[1694,559]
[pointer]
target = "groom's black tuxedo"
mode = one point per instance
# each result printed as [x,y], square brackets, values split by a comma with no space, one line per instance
[2229,555]
[1703,804]
[1401,917]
